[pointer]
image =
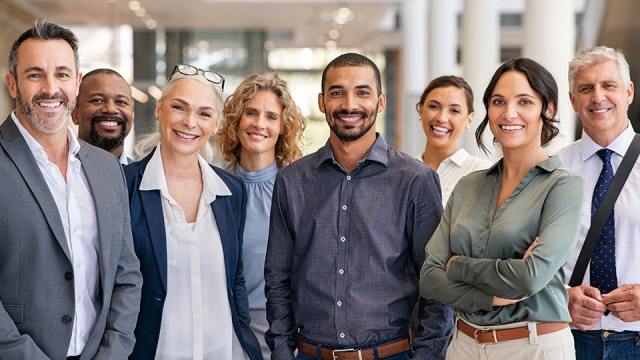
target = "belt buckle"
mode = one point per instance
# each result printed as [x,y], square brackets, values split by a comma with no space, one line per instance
[335,357]
[477,331]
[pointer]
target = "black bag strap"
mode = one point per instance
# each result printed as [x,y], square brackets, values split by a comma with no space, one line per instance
[601,216]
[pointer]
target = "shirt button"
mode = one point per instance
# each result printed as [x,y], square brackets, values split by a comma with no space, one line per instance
[68,275]
[348,177]
[342,335]
[66,319]
[344,207]
[341,271]
[339,303]
[343,239]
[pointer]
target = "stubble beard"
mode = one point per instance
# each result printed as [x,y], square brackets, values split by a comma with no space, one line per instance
[352,133]
[46,126]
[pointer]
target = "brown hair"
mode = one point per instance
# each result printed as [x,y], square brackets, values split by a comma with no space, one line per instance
[446,81]
[288,145]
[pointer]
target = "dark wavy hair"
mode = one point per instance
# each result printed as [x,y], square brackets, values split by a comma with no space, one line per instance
[541,81]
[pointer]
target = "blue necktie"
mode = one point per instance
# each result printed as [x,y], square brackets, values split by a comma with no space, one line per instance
[603,260]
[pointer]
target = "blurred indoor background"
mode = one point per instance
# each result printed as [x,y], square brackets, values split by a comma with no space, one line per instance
[412,41]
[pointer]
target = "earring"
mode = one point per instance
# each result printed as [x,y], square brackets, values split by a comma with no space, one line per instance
[469,126]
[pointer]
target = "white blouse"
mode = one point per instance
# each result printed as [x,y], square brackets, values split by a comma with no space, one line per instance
[196,319]
[453,168]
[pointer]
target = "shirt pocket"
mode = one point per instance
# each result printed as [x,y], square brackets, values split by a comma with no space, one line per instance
[16,312]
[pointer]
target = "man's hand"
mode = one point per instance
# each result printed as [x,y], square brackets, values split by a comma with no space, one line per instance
[624,302]
[585,306]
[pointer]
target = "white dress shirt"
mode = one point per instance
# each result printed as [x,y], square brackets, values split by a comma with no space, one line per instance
[453,168]
[196,319]
[75,204]
[124,160]
[581,159]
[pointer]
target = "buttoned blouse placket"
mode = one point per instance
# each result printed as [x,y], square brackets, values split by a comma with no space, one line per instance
[496,213]
[180,226]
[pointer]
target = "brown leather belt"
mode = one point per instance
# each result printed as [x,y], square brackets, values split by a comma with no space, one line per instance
[390,348]
[496,336]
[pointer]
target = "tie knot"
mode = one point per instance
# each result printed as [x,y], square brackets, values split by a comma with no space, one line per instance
[605,155]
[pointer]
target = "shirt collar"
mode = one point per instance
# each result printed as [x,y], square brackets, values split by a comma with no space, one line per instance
[124,160]
[619,145]
[37,149]
[459,157]
[154,179]
[379,152]
[552,163]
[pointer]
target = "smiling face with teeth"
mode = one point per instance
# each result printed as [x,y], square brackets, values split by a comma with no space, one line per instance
[601,98]
[45,86]
[351,101]
[514,113]
[104,113]
[260,127]
[445,115]
[188,114]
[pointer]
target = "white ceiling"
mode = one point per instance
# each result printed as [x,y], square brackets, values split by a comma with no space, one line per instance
[296,23]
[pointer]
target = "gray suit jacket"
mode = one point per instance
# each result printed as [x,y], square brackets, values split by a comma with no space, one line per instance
[36,276]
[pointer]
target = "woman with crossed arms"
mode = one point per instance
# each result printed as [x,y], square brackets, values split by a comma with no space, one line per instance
[497,254]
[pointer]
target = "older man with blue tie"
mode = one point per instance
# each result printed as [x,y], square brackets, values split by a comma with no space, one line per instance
[605,303]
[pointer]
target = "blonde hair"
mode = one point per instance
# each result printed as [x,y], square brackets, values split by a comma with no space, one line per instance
[596,55]
[288,146]
[147,142]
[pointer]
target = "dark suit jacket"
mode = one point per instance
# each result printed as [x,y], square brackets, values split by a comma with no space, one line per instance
[147,222]
[36,288]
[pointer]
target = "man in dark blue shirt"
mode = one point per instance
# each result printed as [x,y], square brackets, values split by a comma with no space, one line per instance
[349,225]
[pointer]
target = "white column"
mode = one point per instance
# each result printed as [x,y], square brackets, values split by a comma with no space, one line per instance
[414,73]
[443,38]
[549,38]
[480,59]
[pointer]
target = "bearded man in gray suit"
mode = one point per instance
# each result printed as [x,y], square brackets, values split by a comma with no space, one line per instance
[69,279]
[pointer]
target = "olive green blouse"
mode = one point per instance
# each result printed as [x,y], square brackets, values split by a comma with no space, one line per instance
[491,244]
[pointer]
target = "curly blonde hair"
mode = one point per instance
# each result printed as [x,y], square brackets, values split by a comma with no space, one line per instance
[288,146]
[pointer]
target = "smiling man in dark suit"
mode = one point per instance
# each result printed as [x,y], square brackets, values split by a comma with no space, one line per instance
[69,279]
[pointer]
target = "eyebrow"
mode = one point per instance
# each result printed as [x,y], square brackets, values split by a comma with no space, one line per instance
[100,93]
[519,95]
[187,104]
[37,68]
[365,86]
[438,102]
[255,109]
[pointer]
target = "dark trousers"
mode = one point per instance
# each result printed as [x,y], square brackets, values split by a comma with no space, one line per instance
[606,345]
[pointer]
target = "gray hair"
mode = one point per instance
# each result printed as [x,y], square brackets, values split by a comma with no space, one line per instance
[596,55]
[149,141]
[43,30]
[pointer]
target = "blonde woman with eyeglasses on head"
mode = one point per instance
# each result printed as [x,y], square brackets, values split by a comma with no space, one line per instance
[187,219]
[261,134]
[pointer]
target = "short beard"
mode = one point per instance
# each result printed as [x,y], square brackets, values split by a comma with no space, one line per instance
[347,136]
[28,110]
[104,143]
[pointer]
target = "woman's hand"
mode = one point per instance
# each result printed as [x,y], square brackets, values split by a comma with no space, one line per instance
[498,301]
[451,259]
[533,245]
